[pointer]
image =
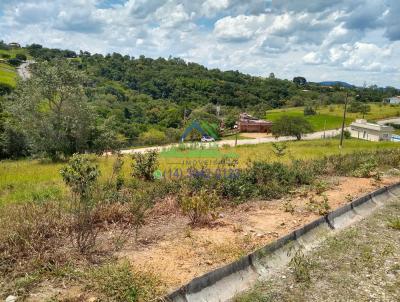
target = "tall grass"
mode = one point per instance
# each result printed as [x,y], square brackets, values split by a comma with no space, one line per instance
[24,180]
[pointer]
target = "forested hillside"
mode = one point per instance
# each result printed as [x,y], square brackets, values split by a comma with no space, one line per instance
[126,101]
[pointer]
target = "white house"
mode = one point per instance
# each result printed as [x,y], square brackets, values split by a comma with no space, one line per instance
[393,100]
[372,132]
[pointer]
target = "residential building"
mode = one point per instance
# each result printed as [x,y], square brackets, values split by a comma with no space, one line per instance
[369,131]
[393,100]
[248,123]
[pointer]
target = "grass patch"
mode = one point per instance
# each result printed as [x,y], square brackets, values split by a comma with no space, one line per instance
[119,282]
[394,223]
[8,74]
[330,117]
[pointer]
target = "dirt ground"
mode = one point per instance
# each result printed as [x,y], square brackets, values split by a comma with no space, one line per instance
[176,253]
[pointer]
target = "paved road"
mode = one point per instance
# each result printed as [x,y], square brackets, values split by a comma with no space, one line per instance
[254,141]
[395,120]
[23,70]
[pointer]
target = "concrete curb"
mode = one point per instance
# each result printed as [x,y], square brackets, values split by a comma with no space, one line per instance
[225,282]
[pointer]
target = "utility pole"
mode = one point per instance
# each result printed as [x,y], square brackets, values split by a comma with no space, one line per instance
[344,120]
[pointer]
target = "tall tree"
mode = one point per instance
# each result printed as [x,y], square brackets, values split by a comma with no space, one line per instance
[52,107]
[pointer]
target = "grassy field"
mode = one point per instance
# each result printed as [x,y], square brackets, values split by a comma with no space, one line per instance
[13,52]
[330,117]
[8,74]
[25,180]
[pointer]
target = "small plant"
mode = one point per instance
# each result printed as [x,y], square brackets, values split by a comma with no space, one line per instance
[349,198]
[366,169]
[81,175]
[320,207]
[116,180]
[279,149]
[320,187]
[145,164]
[199,206]
[394,223]
[288,207]
[301,267]
[346,134]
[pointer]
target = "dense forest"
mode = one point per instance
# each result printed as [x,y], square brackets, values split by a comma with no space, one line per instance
[92,102]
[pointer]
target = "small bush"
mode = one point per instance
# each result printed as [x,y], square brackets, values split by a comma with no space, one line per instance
[320,207]
[320,187]
[145,164]
[81,175]
[14,62]
[288,207]
[21,56]
[346,134]
[308,110]
[200,206]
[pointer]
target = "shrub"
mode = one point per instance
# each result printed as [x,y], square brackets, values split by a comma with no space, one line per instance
[21,56]
[200,206]
[145,164]
[5,88]
[14,62]
[81,175]
[346,134]
[308,110]
[320,207]
[366,168]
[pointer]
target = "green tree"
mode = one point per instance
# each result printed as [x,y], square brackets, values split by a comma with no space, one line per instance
[52,107]
[291,126]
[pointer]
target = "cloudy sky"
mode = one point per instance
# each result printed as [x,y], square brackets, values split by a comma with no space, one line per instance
[352,40]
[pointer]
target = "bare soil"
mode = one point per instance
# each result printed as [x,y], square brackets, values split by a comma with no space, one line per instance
[168,247]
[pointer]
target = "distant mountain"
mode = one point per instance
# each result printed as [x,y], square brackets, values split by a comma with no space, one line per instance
[335,83]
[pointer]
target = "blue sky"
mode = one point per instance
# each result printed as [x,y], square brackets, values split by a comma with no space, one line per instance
[356,41]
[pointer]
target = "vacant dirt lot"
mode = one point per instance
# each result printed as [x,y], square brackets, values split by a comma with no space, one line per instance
[174,251]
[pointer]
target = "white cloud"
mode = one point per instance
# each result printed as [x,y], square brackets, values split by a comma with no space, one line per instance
[353,40]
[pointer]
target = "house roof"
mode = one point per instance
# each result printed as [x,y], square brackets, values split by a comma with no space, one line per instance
[370,126]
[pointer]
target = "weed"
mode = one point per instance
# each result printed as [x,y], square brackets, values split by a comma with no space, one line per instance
[301,267]
[320,187]
[394,223]
[320,207]
[288,206]
[279,149]
[120,283]
[199,207]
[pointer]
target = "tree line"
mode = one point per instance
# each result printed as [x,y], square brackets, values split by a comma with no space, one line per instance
[78,102]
